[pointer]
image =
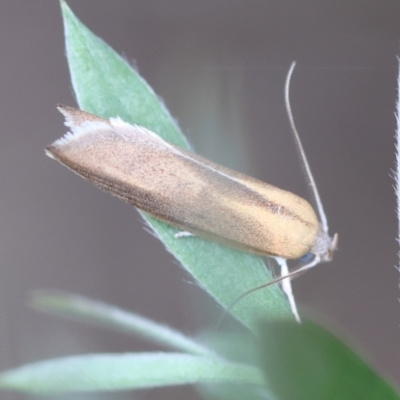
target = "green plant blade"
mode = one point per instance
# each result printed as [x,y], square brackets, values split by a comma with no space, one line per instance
[228,391]
[238,347]
[106,85]
[90,311]
[106,372]
[307,362]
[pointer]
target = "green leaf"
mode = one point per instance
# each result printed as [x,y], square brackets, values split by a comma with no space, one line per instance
[106,372]
[226,391]
[307,362]
[238,347]
[106,85]
[89,311]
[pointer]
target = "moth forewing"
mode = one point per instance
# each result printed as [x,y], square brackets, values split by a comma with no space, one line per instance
[285,209]
[186,190]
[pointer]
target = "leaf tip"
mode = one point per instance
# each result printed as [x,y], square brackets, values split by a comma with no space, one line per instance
[66,11]
[64,6]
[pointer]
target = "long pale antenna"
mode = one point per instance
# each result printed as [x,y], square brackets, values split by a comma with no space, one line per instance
[303,157]
[322,256]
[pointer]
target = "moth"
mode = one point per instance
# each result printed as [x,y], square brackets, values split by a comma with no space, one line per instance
[194,194]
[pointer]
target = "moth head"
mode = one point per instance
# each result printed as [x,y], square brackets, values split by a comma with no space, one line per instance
[324,246]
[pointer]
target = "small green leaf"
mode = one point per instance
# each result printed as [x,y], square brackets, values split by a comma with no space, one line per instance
[89,311]
[106,85]
[307,362]
[106,372]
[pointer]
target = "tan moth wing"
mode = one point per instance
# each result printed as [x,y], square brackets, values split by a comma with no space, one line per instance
[183,189]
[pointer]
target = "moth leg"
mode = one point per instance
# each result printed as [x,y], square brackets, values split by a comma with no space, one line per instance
[287,287]
[183,234]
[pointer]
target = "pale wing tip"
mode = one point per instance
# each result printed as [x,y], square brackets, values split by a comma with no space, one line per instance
[49,151]
[54,151]
[75,117]
[87,130]
[67,138]
[80,123]
[81,127]
[70,115]
[82,135]
[65,110]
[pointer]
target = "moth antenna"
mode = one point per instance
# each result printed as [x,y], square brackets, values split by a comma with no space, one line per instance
[291,275]
[302,154]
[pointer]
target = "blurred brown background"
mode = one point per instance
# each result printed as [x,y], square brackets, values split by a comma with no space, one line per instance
[220,68]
